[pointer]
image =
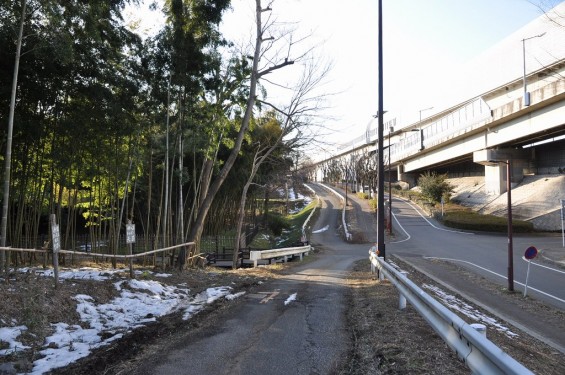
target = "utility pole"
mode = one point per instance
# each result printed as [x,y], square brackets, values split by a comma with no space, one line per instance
[380,185]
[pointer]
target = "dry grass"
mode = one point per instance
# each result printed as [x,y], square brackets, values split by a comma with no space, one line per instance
[387,340]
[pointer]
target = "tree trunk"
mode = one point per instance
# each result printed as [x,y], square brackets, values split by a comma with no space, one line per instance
[8,157]
[198,226]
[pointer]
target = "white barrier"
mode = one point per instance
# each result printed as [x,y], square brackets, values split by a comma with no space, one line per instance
[256,255]
[479,353]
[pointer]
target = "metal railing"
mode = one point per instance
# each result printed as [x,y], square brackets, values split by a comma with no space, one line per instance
[278,253]
[477,352]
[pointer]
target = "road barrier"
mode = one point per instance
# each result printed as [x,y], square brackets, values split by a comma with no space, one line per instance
[477,352]
[256,255]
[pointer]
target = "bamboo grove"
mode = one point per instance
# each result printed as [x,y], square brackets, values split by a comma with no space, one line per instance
[111,126]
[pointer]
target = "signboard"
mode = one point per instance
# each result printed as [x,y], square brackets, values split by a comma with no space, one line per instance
[56,237]
[531,253]
[562,209]
[130,233]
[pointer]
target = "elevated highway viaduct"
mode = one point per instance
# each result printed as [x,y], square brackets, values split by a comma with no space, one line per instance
[506,107]
[481,130]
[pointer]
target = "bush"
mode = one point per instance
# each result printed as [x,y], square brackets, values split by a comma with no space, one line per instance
[373,204]
[470,220]
[434,186]
[277,224]
[362,195]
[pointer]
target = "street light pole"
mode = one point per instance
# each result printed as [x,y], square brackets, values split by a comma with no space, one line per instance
[346,185]
[380,192]
[390,130]
[510,244]
[526,93]
[509,219]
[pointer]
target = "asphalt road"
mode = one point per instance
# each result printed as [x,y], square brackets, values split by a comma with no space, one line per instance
[485,253]
[293,325]
[421,241]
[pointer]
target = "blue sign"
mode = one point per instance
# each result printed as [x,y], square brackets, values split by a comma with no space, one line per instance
[531,253]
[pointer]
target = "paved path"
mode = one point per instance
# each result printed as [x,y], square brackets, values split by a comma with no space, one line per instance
[292,325]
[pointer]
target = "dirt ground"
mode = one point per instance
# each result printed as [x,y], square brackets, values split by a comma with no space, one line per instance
[384,340]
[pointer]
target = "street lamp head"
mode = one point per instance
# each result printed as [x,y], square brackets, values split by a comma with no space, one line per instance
[535,36]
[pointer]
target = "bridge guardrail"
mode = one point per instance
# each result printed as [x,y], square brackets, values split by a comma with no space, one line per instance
[480,355]
[256,255]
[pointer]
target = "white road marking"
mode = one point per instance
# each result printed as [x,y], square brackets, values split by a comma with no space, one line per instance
[270,296]
[429,222]
[499,275]
[549,268]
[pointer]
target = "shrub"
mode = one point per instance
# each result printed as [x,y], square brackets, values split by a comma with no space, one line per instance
[362,195]
[470,220]
[434,186]
[277,224]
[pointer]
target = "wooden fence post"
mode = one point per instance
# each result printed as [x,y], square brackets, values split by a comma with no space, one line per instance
[56,241]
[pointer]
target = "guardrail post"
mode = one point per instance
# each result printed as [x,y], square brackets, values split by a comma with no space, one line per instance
[381,274]
[402,299]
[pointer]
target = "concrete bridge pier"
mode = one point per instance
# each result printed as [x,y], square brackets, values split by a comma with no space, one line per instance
[410,178]
[495,162]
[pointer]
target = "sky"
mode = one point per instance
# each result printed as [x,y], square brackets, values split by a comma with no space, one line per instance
[141,302]
[423,42]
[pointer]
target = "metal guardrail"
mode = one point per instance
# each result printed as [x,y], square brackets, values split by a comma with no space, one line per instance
[256,255]
[479,354]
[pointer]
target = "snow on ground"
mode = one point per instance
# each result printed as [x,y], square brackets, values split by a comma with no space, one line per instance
[321,229]
[290,298]
[140,302]
[456,304]
[295,196]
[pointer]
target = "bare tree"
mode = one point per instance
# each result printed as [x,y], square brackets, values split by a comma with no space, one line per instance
[366,170]
[295,119]
[263,42]
[551,11]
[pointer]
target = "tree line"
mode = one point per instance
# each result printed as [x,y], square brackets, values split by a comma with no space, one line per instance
[171,131]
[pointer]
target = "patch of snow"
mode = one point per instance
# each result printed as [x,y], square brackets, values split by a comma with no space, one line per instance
[456,304]
[291,298]
[9,335]
[139,302]
[322,229]
[231,297]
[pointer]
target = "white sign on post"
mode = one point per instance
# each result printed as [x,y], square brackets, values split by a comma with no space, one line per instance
[56,237]
[130,233]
